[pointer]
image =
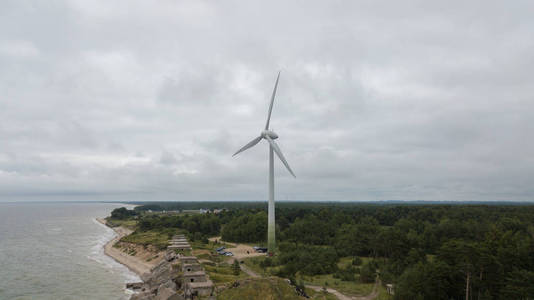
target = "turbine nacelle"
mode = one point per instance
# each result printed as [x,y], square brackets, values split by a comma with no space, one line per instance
[270,134]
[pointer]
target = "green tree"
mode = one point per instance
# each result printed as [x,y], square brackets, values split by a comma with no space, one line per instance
[519,285]
[235,267]
[122,213]
[463,256]
[367,273]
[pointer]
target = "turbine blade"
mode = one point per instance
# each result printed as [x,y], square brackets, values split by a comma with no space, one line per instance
[249,145]
[280,155]
[272,101]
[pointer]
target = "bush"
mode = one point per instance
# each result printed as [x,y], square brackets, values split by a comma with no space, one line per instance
[356,261]
[367,273]
[345,274]
[309,260]
[235,267]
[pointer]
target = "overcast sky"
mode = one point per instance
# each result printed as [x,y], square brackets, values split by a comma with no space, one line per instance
[378,100]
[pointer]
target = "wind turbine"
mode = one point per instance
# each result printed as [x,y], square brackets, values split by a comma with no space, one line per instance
[270,136]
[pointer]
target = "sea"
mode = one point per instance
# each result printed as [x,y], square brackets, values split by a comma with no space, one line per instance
[55,251]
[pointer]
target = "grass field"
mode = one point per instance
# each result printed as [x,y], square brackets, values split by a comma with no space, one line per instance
[262,289]
[347,261]
[320,295]
[160,239]
[347,287]
[383,294]
[222,273]
[128,223]
[254,264]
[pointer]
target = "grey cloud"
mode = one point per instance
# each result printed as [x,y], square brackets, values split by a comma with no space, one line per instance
[377,100]
[167,158]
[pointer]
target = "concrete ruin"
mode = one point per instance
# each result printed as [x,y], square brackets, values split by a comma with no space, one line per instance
[195,276]
[179,247]
[191,267]
[188,260]
[174,281]
[179,242]
[198,289]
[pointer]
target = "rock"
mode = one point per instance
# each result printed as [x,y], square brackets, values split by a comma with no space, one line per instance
[135,285]
[161,273]
[142,296]
[170,256]
[165,294]
[167,285]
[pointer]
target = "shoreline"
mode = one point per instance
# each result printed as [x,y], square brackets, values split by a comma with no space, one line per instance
[133,263]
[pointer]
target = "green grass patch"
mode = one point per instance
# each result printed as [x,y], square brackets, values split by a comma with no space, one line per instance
[203,246]
[320,295]
[383,294]
[346,287]
[222,273]
[345,262]
[261,289]
[128,223]
[159,239]
[254,264]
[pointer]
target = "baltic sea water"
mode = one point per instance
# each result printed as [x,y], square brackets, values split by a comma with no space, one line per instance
[55,251]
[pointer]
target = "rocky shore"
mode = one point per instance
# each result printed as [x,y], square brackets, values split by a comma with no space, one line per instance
[171,277]
[163,282]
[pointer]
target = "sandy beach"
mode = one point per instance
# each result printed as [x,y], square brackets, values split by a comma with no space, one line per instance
[137,265]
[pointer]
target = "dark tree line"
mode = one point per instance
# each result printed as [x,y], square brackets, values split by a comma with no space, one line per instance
[427,251]
[122,213]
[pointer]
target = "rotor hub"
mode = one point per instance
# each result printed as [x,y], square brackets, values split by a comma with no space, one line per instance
[270,134]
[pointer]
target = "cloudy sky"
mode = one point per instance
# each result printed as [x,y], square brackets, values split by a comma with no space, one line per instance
[378,100]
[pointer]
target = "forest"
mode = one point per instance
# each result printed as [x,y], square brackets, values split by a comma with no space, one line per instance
[439,251]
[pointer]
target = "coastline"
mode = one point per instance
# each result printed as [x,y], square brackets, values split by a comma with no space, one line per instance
[133,263]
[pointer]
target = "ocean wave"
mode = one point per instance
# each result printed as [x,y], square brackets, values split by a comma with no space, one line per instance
[97,254]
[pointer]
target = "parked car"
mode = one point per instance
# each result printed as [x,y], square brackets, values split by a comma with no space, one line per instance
[261,250]
[229,254]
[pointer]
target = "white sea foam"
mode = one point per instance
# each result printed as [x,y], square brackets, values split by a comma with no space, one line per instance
[97,254]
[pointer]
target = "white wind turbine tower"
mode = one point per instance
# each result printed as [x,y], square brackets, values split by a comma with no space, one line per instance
[270,136]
